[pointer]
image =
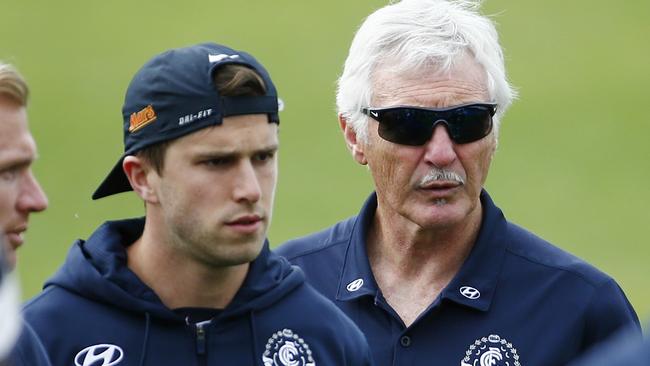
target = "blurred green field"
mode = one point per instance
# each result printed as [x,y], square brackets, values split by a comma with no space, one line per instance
[572,164]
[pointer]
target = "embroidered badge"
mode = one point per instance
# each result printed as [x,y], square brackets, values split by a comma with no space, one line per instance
[286,348]
[491,351]
[142,118]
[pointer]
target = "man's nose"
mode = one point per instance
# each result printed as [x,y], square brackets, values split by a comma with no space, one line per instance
[440,148]
[247,186]
[32,198]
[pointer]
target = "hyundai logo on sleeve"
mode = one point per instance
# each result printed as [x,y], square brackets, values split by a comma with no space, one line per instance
[107,354]
[470,292]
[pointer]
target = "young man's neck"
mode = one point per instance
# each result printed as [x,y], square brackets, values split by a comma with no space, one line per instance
[179,280]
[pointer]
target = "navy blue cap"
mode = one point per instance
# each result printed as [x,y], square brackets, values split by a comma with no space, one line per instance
[174,94]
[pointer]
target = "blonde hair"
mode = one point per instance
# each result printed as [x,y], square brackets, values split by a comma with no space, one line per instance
[12,84]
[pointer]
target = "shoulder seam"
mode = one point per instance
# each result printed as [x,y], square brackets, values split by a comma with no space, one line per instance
[590,281]
[38,297]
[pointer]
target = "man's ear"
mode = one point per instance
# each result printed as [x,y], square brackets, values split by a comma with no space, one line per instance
[142,177]
[355,146]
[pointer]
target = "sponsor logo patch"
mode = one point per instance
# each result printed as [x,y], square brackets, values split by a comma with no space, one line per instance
[286,348]
[221,56]
[355,285]
[491,351]
[99,355]
[194,116]
[470,292]
[142,118]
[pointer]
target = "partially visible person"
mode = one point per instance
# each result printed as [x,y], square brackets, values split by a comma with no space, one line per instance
[624,349]
[20,195]
[9,306]
[194,281]
[430,269]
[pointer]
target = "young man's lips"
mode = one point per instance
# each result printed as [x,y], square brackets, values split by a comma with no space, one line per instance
[246,224]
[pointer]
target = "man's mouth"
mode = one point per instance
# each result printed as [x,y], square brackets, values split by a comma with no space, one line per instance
[441,185]
[15,237]
[246,224]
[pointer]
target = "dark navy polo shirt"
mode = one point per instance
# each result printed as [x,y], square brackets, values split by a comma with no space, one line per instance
[517,299]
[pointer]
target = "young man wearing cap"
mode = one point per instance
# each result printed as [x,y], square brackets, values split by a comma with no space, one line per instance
[20,195]
[194,282]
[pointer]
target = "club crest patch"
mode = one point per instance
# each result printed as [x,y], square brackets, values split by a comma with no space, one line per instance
[286,348]
[491,351]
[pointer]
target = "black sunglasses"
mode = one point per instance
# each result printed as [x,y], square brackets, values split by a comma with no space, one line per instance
[414,126]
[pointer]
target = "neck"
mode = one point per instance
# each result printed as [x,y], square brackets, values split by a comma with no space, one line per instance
[180,280]
[408,248]
[412,264]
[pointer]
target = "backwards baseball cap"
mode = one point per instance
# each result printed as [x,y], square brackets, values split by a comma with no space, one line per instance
[174,94]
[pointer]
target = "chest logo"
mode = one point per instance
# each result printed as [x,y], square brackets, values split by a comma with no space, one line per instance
[470,292]
[286,348]
[99,355]
[355,285]
[491,351]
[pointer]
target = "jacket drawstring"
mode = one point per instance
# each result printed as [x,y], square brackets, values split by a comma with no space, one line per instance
[146,338]
[254,339]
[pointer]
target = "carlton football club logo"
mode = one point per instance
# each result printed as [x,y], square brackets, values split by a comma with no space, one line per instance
[286,348]
[491,351]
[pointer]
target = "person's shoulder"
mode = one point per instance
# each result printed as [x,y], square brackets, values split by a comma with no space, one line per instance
[331,238]
[624,348]
[538,252]
[50,299]
[29,350]
[309,308]
[54,306]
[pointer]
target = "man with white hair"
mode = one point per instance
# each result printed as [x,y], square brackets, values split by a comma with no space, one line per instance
[430,269]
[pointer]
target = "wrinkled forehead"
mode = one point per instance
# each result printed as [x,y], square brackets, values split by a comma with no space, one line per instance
[429,85]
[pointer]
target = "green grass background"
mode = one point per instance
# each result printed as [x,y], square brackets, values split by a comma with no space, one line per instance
[572,165]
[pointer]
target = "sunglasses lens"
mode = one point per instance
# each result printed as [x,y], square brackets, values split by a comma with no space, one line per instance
[471,123]
[405,126]
[414,126]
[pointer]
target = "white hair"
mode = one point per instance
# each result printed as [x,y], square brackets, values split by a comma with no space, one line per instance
[417,34]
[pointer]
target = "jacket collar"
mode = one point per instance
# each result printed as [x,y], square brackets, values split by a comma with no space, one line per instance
[473,286]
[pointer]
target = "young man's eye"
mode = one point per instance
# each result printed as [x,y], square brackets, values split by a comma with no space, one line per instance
[264,156]
[217,161]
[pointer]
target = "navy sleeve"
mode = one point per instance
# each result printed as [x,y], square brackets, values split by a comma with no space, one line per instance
[29,350]
[364,352]
[608,313]
[623,349]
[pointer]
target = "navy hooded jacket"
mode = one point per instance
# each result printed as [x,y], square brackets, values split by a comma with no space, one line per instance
[96,312]
[28,351]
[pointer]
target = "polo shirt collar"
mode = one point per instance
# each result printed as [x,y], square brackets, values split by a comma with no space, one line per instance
[356,278]
[473,286]
[479,275]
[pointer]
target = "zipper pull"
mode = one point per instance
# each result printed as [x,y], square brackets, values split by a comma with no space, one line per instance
[200,336]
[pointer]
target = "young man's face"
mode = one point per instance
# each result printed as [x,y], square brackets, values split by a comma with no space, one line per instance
[20,193]
[216,190]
